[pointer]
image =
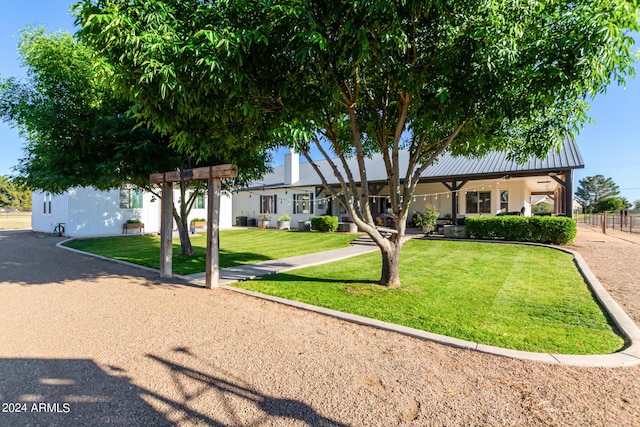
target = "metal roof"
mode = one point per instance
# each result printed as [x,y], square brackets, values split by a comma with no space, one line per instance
[447,167]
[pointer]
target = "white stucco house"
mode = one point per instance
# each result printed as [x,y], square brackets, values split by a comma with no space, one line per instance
[457,186]
[87,212]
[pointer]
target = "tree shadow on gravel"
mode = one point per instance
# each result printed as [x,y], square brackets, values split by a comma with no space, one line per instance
[70,392]
[238,399]
[30,258]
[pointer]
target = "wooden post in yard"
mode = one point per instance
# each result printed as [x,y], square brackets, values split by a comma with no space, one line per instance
[212,272]
[166,230]
[214,175]
[604,223]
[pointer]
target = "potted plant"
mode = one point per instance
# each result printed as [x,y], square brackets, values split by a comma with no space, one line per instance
[284,222]
[199,223]
[263,221]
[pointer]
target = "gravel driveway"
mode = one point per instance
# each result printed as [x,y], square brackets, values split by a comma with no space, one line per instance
[89,342]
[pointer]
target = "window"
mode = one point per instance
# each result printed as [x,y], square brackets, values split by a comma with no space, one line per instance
[46,203]
[504,201]
[268,204]
[200,201]
[303,203]
[130,198]
[478,202]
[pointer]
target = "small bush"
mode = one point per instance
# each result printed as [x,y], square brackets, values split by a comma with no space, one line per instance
[324,223]
[284,217]
[134,221]
[540,229]
[427,220]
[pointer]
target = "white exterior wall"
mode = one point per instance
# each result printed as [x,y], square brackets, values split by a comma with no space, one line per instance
[88,212]
[98,213]
[45,222]
[245,203]
[225,221]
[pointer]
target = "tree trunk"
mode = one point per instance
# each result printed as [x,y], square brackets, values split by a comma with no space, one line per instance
[390,276]
[185,241]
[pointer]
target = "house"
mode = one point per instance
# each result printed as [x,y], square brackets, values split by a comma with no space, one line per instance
[457,186]
[87,212]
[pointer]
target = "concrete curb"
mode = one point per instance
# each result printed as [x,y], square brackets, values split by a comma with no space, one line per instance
[628,356]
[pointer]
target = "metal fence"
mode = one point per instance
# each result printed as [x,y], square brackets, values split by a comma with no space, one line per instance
[625,222]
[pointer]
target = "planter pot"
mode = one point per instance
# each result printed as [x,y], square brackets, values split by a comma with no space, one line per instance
[455,231]
[263,224]
[199,224]
[284,225]
[133,227]
[347,227]
[304,225]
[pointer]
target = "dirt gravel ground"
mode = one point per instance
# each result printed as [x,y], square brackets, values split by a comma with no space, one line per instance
[89,342]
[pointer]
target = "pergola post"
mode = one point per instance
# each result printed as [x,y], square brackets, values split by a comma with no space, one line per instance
[166,230]
[212,272]
[214,175]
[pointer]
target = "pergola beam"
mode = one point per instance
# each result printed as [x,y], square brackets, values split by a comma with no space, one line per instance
[207,172]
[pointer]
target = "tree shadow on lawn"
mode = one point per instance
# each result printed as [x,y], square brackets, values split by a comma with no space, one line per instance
[294,278]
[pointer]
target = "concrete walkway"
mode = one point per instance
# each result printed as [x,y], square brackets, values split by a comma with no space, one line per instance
[629,356]
[265,268]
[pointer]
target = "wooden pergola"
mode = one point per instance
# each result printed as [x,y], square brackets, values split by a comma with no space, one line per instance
[213,175]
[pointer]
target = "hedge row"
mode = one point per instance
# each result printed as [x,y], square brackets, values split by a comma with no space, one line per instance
[324,223]
[556,230]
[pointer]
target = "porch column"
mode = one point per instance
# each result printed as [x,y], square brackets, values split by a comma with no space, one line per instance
[568,194]
[166,230]
[454,187]
[567,187]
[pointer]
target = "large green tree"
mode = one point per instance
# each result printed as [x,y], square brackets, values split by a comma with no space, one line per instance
[612,204]
[79,132]
[594,189]
[14,194]
[364,77]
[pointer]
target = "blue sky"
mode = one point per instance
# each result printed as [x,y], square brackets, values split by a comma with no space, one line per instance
[611,147]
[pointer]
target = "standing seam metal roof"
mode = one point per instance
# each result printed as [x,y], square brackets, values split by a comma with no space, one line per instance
[446,167]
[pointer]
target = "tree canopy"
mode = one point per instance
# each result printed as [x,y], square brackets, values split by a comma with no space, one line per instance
[79,131]
[13,194]
[592,190]
[612,204]
[364,77]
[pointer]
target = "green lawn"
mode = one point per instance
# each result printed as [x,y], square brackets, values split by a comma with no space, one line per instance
[236,247]
[513,296]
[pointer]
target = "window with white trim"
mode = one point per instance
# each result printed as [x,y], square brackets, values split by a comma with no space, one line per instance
[303,203]
[46,208]
[504,201]
[130,198]
[478,202]
[268,204]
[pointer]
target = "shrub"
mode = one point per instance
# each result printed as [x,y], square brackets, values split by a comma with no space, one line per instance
[427,220]
[540,229]
[324,223]
[134,221]
[284,217]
